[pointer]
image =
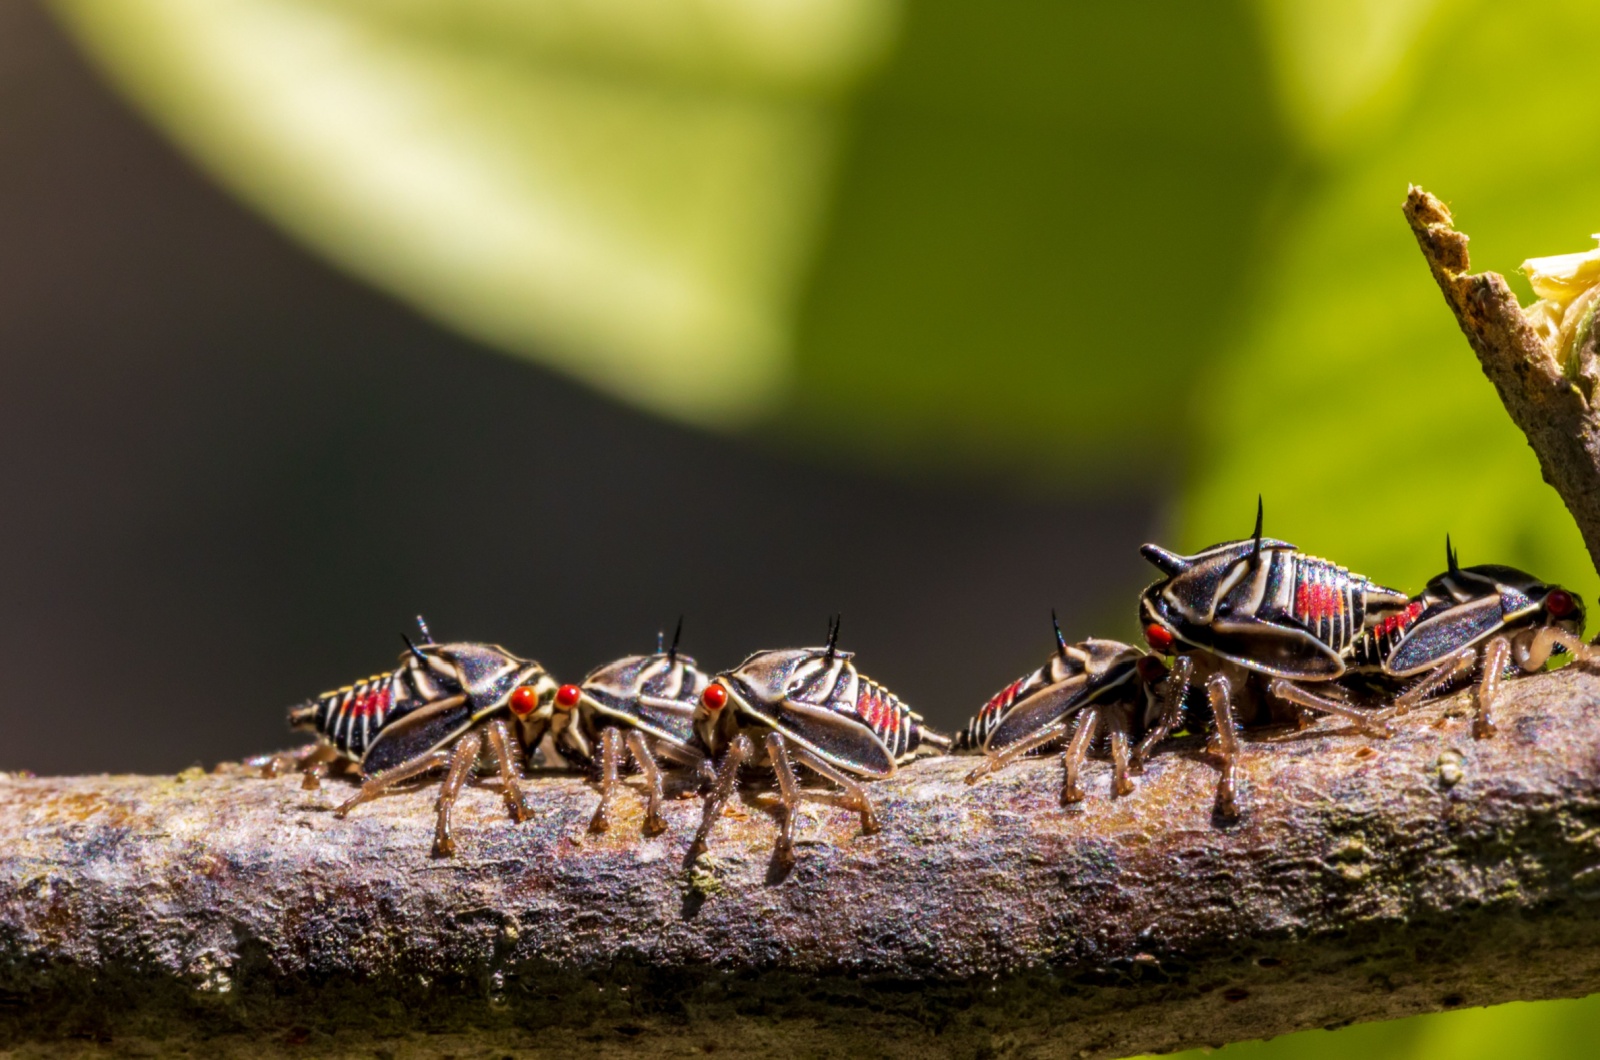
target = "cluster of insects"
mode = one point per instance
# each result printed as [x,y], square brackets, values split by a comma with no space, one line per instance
[1240,635]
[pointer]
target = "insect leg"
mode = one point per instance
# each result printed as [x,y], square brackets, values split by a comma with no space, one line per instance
[500,748]
[1119,722]
[1533,652]
[995,761]
[698,766]
[610,759]
[788,796]
[1299,696]
[721,789]
[461,763]
[1174,690]
[1220,689]
[381,783]
[1076,752]
[1446,672]
[1496,653]
[852,797]
[301,758]
[653,822]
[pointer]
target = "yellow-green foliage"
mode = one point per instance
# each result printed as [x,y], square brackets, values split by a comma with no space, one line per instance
[1347,394]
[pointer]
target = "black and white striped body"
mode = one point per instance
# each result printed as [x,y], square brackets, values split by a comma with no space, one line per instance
[438,691]
[1076,676]
[1462,608]
[818,698]
[655,694]
[1264,606]
[351,717]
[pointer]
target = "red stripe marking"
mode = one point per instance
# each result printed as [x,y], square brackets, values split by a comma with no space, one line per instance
[1314,602]
[369,703]
[1394,623]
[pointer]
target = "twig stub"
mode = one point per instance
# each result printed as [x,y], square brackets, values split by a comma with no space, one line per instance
[1561,427]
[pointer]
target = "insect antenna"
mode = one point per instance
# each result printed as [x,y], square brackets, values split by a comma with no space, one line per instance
[833,636]
[1450,556]
[1255,551]
[672,652]
[416,653]
[1061,642]
[422,625]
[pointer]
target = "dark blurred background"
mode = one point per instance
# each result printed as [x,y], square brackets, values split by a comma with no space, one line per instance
[233,475]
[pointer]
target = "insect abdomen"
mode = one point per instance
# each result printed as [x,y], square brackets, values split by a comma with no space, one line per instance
[976,735]
[1373,648]
[1328,600]
[897,725]
[351,717]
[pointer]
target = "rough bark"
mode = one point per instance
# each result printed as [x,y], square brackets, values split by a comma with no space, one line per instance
[1367,880]
[1552,411]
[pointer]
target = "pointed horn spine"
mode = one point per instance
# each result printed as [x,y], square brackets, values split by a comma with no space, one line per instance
[1255,550]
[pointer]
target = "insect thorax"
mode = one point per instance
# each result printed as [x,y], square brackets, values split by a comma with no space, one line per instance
[653,693]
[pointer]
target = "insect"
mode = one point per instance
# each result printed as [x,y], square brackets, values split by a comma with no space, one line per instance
[1084,689]
[809,706]
[1256,611]
[1496,620]
[640,706]
[444,707]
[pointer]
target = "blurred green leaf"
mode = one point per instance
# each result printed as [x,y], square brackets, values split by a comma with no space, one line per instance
[1045,220]
[1349,397]
[626,189]
[1546,1029]
[933,234]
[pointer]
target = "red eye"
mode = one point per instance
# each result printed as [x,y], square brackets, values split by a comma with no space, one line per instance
[1159,637]
[1560,603]
[715,697]
[567,696]
[524,701]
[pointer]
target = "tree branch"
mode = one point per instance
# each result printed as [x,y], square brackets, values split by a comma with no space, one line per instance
[1367,880]
[1552,411]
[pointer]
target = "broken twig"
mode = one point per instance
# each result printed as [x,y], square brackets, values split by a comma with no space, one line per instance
[1551,408]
